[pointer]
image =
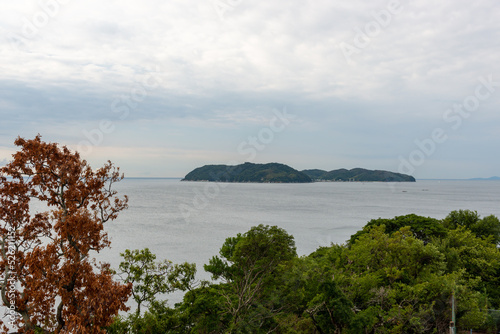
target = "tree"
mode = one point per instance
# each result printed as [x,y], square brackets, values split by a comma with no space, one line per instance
[480,258]
[402,284]
[150,278]
[423,228]
[204,310]
[49,280]
[487,227]
[465,218]
[473,244]
[330,310]
[248,265]
[311,299]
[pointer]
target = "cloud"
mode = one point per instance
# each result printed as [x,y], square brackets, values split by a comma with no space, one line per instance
[221,76]
[5,155]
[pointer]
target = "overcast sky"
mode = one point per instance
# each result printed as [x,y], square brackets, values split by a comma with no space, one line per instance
[162,87]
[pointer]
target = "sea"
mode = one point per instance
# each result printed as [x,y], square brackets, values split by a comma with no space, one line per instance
[189,221]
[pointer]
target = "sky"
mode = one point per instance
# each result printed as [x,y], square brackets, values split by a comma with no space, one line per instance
[162,87]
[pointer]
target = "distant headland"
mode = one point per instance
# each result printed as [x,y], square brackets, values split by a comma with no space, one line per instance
[281,173]
[493,178]
[357,174]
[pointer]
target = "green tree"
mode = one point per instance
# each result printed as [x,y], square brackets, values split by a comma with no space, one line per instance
[308,297]
[478,257]
[330,310]
[485,228]
[150,277]
[423,228]
[395,280]
[465,218]
[488,227]
[204,309]
[157,319]
[248,265]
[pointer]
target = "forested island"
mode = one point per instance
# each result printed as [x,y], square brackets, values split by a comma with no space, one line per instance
[357,174]
[248,172]
[281,173]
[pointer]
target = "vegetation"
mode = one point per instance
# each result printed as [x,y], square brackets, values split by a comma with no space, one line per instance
[150,279]
[357,174]
[279,173]
[248,172]
[49,282]
[247,267]
[394,276]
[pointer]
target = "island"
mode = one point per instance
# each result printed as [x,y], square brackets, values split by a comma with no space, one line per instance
[357,174]
[248,172]
[281,173]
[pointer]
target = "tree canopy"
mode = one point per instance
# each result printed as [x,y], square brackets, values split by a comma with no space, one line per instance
[50,283]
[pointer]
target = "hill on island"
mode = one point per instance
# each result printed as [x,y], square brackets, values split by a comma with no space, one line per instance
[357,174]
[280,173]
[248,172]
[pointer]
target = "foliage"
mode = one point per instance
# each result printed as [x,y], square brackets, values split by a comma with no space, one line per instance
[486,228]
[158,319]
[204,309]
[409,283]
[480,258]
[330,310]
[248,265]
[48,275]
[423,228]
[150,278]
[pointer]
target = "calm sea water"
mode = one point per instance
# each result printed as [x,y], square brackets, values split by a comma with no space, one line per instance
[189,221]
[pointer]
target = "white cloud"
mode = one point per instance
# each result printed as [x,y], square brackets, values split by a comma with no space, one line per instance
[5,155]
[225,74]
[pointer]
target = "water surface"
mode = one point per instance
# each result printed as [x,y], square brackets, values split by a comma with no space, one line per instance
[189,221]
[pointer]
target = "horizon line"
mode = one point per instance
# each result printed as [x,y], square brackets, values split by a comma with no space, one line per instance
[493,178]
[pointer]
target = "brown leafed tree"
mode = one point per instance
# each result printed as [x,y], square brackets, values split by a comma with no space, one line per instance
[49,281]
